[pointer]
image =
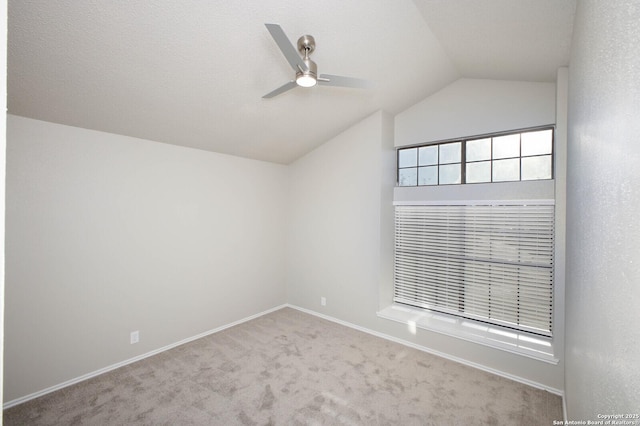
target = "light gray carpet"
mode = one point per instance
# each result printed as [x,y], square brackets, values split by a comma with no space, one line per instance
[291,368]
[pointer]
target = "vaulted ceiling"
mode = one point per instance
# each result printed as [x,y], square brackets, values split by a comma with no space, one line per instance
[193,73]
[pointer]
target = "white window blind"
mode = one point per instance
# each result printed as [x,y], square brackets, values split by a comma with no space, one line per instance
[492,263]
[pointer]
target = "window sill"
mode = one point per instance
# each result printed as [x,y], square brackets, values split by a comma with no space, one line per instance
[536,347]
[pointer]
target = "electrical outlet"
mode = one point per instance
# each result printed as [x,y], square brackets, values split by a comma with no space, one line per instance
[135,337]
[323,301]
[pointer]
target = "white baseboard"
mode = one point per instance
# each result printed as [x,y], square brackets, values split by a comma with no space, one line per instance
[92,374]
[437,353]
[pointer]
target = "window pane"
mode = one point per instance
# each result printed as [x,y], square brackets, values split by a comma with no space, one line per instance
[479,172]
[537,143]
[450,173]
[506,146]
[408,177]
[480,149]
[428,175]
[506,170]
[408,157]
[428,155]
[450,152]
[536,167]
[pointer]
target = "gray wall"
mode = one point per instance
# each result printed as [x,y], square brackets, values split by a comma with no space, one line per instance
[3,145]
[603,198]
[109,234]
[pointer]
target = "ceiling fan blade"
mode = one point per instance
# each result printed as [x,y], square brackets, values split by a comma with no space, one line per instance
[340,81]
[287,49]
[288,86]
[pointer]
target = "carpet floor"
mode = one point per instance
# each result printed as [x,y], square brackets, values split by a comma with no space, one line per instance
[292,368]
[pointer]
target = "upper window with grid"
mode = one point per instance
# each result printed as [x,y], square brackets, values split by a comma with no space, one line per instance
[525,155]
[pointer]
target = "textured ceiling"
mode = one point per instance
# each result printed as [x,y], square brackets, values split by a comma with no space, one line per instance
[503,39]
[193,73]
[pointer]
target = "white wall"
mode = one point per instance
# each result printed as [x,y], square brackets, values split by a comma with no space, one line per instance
[341,223]
[603,230]
[108,234]
[469,107]
[335,241]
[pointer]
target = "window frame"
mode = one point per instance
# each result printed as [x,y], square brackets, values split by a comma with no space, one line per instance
[463,161]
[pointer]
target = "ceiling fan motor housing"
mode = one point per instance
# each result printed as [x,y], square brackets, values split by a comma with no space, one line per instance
[306,45]
[312,69]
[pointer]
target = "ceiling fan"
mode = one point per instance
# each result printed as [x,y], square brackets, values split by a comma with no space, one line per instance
[306,70]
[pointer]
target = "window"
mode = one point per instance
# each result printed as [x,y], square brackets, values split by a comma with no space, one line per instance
[503,157]
[485,252]
[488,262]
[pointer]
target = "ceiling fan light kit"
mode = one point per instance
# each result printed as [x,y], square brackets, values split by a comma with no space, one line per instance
[303,80]
[306,70]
